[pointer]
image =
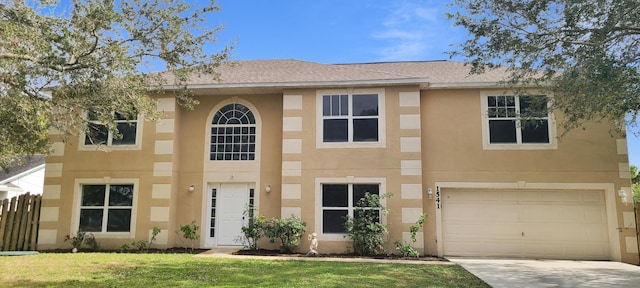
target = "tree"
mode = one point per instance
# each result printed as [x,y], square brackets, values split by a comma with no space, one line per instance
[58,62]
[585,52]
[635,183]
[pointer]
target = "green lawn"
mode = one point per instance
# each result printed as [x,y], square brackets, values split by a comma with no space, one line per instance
[184,270]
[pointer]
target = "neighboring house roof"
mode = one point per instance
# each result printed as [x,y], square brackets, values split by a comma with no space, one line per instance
[30,164]
[290,73]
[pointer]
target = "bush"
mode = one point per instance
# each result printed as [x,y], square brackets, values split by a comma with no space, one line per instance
[190,232]
[81,239]
[406,249]
[288,230]
[142,245]
[365,229]
[253,231]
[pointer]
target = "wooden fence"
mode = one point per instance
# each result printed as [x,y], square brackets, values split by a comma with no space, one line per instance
[19,219]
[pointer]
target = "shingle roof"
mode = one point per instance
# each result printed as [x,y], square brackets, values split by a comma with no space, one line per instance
[29,163]
[291,71]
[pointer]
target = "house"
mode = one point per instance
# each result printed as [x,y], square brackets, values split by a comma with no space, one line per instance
[301,138]
[21,179]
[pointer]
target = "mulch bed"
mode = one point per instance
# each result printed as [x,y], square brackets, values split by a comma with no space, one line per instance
[174,250]
[277,253]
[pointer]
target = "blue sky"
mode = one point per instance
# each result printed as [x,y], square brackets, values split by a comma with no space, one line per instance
[345,31]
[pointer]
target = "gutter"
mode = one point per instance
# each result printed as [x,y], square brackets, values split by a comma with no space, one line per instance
[306,84]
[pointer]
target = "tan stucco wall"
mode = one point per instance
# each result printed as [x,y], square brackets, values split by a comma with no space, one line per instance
[451,150]
[381,163]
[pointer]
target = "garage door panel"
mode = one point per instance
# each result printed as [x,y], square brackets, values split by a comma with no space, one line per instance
[539,224]
[596,215]
[482,233]
[538,249]
[595,232]
[487,248]
[469,212]
[593,197]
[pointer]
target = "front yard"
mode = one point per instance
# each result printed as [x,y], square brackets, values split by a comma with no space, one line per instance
[184,270]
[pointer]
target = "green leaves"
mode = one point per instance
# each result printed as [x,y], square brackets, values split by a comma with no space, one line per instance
[288,230]
[365,228]
[95,55]
[584,52]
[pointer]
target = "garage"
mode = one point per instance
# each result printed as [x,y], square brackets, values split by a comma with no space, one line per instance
[547,224]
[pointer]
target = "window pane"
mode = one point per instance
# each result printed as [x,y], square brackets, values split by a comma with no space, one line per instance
[511,101]
[491,101]
[502,131]
[121,195]
[90,220]
[335,195]
[365,130]
[335,130]
[535,131]
[128,131]
[96,134]
[360,189]
[119,220]
[492,112]
[533,106]
[326,105]
[335,105]
[93,195]
[333,221]
[344,105]
[365,105]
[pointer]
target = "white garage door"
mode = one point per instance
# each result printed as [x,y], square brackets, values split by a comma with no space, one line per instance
[530,224]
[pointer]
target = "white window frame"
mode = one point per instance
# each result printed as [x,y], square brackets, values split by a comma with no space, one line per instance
[553,142]
[381,143]
[109,144]
[349,180]
[77,205]
[242,125]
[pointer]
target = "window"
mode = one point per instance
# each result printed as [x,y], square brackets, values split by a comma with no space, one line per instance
[338,201]
[212,218]
[518,120]
[350,118]
[99,134]
[233,134]
[106,208]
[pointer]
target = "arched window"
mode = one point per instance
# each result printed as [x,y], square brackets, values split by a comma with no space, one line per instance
[233,134]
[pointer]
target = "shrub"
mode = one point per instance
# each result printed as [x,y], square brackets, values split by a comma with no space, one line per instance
[190,232]
[288,230]
[253,231]
[142,245]
[365,229]
[154,234]
[406,249]
[81,239]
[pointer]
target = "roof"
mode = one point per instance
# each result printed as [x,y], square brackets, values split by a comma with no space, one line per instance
[30,163]
[291,73]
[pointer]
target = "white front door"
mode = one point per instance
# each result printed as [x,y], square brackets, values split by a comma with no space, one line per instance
[227,203]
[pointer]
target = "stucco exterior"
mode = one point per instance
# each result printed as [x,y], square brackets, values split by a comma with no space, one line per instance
[430,141]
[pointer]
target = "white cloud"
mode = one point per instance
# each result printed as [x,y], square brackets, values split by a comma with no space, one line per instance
[409,30]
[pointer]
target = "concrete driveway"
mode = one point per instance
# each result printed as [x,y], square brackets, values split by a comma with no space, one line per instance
[551,273]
